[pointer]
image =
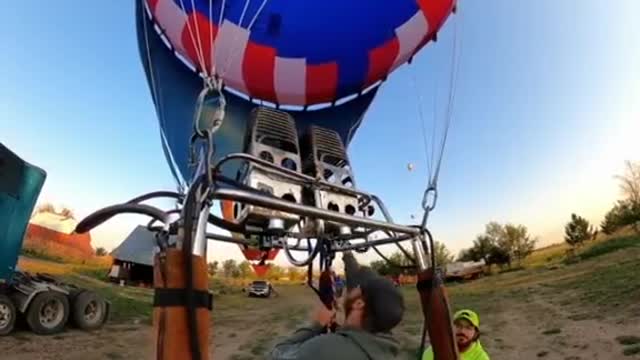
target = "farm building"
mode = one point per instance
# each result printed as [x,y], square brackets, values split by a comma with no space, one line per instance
[133,258]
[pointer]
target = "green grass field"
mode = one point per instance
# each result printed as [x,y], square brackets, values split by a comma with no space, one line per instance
[551,309]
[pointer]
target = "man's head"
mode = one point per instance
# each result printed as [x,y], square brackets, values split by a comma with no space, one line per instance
[467,328]
[372,302]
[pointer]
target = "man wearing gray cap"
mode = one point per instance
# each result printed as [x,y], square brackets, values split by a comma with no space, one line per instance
[373,307]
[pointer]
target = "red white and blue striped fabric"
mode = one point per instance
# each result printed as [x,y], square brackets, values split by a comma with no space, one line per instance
[298,52]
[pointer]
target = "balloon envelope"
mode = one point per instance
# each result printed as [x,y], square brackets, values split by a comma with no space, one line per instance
[297,52]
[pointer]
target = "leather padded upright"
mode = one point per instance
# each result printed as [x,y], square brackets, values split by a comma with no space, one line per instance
[171,332]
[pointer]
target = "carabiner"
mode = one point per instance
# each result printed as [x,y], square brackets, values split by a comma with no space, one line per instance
[430,198]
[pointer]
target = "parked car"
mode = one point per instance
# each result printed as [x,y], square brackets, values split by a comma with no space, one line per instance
[260,288]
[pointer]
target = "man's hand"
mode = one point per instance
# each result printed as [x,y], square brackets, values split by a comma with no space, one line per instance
[323,316]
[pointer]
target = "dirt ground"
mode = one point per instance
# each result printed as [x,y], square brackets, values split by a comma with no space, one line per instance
[244,328]
[590,310]
[533,329]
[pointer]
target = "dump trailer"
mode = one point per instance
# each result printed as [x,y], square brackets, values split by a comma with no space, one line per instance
[46,303]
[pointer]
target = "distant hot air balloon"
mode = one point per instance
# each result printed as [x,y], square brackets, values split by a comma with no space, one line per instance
[410,167]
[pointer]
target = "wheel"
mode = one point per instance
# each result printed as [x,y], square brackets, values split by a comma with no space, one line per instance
[7,315]
[89,310]
[48,313]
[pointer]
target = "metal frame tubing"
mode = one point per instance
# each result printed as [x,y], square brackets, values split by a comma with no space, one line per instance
[370,243]
[303,210]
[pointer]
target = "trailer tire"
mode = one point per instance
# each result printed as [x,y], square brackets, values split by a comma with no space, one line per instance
[7,315]
[89,310]
[48,313]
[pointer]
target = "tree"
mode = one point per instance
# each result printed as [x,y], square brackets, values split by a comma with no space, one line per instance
[467,255]
[48,207]
[229,268]
[623,213]
[380,266]
[67,213]
[499,256]
[614,218]
[399,258]
[294,274]
[244,268]
[577,231]
[483,244]
[517,242]
[610,224]
[275,272]
[630,182]
[627,211]
[494,231]
[212,268]
[443,256]
[45,207]
[100,251]
[399,264]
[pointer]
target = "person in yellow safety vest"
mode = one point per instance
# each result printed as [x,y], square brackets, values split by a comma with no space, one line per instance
[467,331]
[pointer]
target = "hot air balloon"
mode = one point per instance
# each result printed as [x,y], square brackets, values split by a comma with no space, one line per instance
[257,102]
[327,58]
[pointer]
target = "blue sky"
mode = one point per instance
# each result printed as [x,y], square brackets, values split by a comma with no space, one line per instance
[546,112]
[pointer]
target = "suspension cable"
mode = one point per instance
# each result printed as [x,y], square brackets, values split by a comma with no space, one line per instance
[236,49]
[198,49]
[158,99]
[430,196]
[212,70]
[455,69]
[421,118]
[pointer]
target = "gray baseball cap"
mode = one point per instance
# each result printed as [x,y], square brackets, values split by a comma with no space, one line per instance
[385,303]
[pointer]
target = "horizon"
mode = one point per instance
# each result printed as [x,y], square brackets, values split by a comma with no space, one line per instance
[545,115]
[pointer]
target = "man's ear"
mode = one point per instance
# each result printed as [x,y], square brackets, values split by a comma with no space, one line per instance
[358,304]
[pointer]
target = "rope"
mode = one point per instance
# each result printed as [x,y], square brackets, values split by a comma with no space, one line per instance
[222,6]
[211,38]
[193,40]
[264,2]
[421,118]
[455,69]
[232,54]
[197,42]
[433,177]
[204,64]
[433,128]
[431,193]
[235,39]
